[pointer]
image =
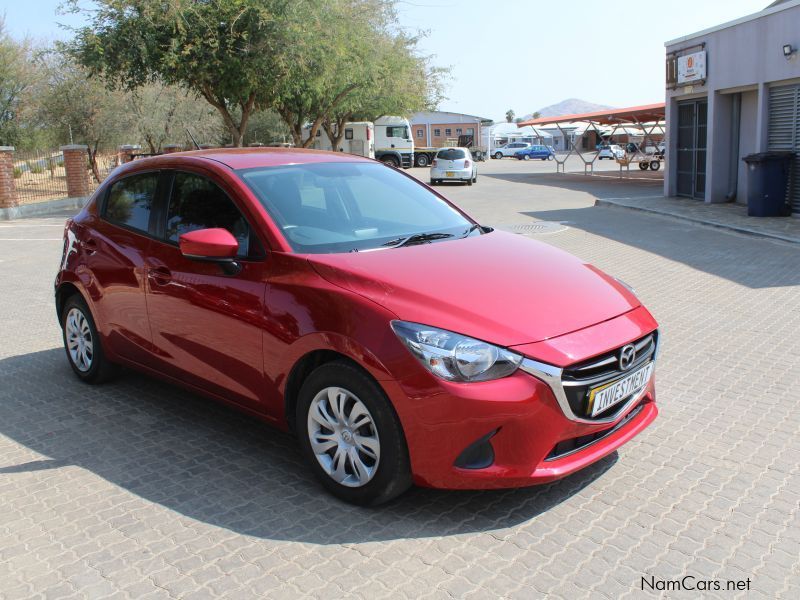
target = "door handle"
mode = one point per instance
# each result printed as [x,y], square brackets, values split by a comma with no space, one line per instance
[159,275]
[89,246]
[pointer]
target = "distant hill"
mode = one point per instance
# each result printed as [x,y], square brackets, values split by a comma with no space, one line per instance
[570,106]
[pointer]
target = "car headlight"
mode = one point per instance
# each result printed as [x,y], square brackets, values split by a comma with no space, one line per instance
[456,357]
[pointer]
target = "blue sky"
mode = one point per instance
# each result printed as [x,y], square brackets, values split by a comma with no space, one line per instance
[519,54]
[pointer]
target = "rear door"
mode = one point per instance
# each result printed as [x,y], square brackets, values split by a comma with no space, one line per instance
[207,326]
[115,246]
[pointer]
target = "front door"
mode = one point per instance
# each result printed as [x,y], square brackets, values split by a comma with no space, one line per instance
[692,126]
[207,325]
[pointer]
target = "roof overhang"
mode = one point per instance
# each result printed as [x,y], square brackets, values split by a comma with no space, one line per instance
[635,114]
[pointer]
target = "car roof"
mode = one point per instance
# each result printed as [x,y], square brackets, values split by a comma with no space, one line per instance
[247,158]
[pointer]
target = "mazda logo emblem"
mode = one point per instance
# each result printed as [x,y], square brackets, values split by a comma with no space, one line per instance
[626,357]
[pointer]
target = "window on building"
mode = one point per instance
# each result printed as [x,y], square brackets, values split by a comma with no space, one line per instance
[448,131]
[470,131]
[419,133]
[437,133]
[459,131]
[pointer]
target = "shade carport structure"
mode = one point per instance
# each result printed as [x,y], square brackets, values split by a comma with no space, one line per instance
[648,118]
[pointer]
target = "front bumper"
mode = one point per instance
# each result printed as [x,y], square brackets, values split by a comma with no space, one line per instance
[533,439]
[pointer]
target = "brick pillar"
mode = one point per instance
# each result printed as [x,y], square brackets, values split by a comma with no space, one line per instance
[8,187]
[170,148]
[126,153]
[76,165]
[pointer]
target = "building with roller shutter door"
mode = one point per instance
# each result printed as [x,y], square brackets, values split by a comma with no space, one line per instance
[733,90]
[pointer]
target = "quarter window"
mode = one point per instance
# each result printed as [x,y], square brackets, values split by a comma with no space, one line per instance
[130,201]
[197,203]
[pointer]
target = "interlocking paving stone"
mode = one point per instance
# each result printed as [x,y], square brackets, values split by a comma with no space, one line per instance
[137,489]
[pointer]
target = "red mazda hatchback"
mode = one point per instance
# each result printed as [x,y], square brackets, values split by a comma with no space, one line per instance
[349,303]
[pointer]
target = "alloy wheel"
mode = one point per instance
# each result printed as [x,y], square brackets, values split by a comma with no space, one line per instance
[79,340]
[343,436]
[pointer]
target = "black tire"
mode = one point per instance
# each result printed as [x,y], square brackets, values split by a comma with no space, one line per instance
[525,157]
[550,157]
[643,165]
[475,179]
[100,368]
[421,160]
[655,165]
[498,155]
[391,161]
[433,182]
[393,475]
[469,181]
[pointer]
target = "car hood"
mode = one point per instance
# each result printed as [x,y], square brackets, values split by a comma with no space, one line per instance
[498,287]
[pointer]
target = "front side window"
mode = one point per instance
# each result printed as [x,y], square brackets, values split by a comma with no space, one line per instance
[198,203]
[398,132]
[130,201]
[347,207]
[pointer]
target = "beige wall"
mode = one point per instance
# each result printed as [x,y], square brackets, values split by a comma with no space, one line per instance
[421,139]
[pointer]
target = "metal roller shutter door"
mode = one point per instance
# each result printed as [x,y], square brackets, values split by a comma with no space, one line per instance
[784,132]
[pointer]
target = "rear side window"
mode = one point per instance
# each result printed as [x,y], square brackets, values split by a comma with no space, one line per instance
[198,203]
[451,154]
[130,201]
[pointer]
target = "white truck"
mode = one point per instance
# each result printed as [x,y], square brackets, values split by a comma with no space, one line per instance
[359,139]
[393,142]
[388,140]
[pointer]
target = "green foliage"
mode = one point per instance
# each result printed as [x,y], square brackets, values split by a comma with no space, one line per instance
[226,51]
[509,116]
[35,168]
[17,172]
[16,78]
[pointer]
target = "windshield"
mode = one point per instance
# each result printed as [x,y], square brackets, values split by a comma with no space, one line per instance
[345,207]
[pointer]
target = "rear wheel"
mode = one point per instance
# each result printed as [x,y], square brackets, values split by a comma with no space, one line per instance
[498,155]
[525,157]
[351,436]
[82,343]
[433,182]
[421,160]
[469,181]
[655,165]
[643,165]
[391,161]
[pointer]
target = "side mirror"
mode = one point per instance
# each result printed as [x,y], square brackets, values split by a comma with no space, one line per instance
[215,245]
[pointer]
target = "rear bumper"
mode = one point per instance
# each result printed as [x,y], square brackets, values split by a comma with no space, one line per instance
[457,174]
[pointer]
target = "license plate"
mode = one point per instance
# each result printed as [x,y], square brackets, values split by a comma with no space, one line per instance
[449,174]
[603,397]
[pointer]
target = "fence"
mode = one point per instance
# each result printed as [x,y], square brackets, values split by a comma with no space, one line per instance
[40,175]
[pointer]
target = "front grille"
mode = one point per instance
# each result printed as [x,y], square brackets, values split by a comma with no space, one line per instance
[580,378]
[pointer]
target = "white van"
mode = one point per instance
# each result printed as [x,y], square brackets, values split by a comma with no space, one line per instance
[359,139]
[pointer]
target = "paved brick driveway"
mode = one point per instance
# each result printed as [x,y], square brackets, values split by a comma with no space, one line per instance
[138,489]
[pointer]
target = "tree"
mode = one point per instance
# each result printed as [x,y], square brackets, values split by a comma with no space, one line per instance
[163,113]
[229,52]
[398,82]
[536,115]
[16,77]
[79,108]
[510,116]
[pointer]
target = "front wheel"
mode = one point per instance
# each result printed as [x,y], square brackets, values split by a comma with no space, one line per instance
[82,343]
[351,436]
[498,155]
[525,157]
[655,165]
[391,161]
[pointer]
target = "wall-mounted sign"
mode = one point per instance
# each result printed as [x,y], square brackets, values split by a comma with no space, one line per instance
[692,67]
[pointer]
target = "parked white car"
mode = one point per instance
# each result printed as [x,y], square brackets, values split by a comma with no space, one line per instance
[454,164]
[613,152]
[509,149]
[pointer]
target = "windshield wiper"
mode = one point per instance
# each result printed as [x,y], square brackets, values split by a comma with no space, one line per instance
[417,238]
[470,230]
